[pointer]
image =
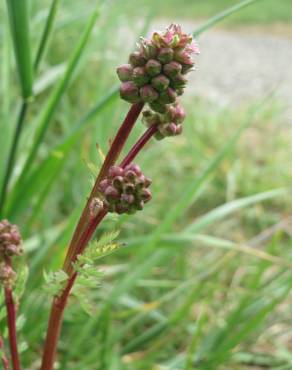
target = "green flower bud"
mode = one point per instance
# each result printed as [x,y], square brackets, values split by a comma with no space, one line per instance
[165,55]
[179,82]
[148,94]
[160,83]
[172,69]
[140,76]
[153,67]
[168,96]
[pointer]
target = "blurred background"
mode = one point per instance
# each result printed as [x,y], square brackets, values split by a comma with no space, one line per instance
[204,278]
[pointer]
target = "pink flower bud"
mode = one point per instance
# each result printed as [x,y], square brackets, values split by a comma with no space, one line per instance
[148,94]
[124,72]
[129,92]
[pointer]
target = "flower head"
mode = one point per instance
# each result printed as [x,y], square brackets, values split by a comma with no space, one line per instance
[159,63]
[125,190]
[10,240]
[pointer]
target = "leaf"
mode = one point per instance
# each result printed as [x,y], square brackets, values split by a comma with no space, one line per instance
[54,282]
[19,26]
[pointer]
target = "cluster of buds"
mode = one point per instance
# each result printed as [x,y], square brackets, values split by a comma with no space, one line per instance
[125,190]
[10,246]
[156,72]
[168,123]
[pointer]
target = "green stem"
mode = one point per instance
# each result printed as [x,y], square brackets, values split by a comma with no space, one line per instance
[12,153]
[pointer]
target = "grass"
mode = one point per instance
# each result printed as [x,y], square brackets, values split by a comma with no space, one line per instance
[204,280]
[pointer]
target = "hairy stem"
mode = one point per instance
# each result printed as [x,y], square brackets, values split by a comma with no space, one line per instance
[12,153]
[4,359]
[112,155]
[11,323]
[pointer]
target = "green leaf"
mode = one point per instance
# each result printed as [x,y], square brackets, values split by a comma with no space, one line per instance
[55,282]
[19,25]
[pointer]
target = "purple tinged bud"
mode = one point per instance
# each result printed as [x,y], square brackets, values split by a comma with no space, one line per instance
[172,69]
[118,182]
[104,184]
[148,94]
[135,168]
[183,56]
[115,171]
[129,188]
[7,275]
[130,175]
[146,195]
[129,92]
[128,198]
[111,194]
[124,72]
[136,59]
[165,55]
[160,83]
[168,96]
[147,182]
[140,76]
[153,67]
[96,205]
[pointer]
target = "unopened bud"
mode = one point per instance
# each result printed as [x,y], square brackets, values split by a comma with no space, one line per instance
[7,276]
[140,76]
[165,55]
[136,59]
[153,67]
[129,92]
[168,96]
[160,83]
[172,69]
[96,205]
[148,94]
[158,106]
[124,72]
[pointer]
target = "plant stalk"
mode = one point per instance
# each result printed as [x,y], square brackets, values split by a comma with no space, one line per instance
[11,324]
[59,303]
[112,155]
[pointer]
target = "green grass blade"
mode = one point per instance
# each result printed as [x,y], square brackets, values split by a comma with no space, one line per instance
[222,15]
[58,92]
[231,207]
[46,33]
[19,25]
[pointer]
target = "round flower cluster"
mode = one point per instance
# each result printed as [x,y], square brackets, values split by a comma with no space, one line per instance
[10,246]
[156,71]
[10,240]
[125,190]
[169,123]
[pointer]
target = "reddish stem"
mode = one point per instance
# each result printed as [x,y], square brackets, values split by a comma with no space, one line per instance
[138,146]
[112,155]
[11,323]
[59,303]
[4,359]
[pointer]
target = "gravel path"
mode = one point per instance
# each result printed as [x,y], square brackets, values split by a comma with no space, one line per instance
[237,66]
